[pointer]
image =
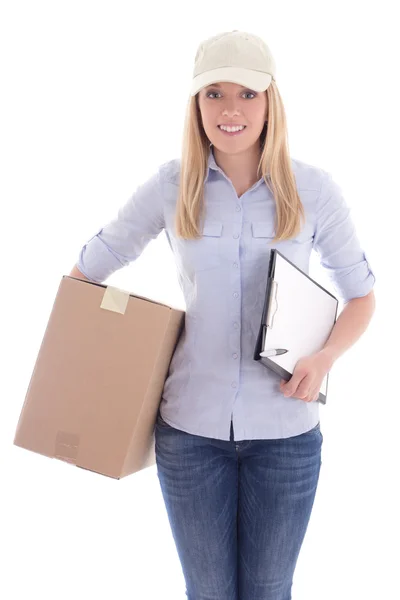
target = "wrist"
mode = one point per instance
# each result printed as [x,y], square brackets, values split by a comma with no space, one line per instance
[328,356]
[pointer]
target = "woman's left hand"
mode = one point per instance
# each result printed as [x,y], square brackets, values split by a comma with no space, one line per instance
[307,377]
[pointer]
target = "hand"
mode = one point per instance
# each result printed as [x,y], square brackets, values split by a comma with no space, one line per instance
[307,377]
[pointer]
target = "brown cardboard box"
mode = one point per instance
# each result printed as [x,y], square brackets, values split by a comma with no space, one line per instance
[97,383]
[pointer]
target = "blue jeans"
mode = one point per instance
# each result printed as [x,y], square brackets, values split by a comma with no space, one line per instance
[238,511]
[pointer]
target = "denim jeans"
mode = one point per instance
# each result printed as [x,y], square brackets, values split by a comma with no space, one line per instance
[238,510]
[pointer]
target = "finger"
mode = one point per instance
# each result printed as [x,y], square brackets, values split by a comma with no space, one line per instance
[293,384]
[312,394]
[315,394]
[303,391]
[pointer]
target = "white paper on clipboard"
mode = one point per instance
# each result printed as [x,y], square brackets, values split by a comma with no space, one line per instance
[301,317]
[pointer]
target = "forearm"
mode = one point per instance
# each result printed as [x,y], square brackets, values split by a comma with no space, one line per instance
[76,273]
[350,325]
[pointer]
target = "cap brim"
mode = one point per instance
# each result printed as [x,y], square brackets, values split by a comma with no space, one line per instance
[255,80]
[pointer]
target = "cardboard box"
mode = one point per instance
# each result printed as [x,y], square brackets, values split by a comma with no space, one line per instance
[98,379]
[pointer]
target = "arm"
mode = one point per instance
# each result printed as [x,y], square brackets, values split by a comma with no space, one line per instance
[76,273]
[341,254]
[124,238]
[349,327]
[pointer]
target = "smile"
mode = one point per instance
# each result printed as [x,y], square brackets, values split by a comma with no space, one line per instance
[232,132]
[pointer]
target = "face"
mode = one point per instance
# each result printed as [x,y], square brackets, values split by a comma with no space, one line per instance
[225,103]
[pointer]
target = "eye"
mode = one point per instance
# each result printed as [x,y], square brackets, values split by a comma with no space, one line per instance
[209,93]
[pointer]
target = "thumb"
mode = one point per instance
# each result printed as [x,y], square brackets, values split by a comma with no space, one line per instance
[284,385]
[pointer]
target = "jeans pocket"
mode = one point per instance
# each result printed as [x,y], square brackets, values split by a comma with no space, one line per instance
[160,421]
[317,430]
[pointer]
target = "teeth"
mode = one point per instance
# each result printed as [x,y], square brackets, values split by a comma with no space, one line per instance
[231,129]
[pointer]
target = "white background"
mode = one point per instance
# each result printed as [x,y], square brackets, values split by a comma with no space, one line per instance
[93,99]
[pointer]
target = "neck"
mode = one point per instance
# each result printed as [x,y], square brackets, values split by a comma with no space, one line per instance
[241,167]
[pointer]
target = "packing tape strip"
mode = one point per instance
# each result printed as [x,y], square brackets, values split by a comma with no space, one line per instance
[115,299]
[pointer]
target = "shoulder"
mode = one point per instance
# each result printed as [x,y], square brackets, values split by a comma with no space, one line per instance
[169,171]
[309,177]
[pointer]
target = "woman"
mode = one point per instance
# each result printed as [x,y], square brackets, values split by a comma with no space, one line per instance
[239,508]
[238,451]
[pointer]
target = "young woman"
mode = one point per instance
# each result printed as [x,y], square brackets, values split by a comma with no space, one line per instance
[238,451]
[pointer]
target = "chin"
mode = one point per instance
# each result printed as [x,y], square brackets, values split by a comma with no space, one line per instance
[232,146]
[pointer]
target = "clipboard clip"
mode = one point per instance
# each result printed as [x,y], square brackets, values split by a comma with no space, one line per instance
[272,298]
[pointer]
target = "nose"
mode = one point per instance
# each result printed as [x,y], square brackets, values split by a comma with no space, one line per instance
[230,107]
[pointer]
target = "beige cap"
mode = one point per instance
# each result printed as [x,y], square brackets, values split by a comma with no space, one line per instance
[234,56]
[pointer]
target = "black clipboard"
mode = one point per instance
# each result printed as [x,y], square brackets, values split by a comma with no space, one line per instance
[267,320]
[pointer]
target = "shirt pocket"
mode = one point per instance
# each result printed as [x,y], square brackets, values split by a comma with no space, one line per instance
[205,252]
[262,234]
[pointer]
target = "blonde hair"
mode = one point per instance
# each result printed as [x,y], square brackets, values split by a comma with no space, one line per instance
[274,153]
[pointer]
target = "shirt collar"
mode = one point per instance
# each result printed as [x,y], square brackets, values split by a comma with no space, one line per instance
[211,164]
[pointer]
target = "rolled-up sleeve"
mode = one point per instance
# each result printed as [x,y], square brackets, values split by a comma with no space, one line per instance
[337,244]
[123,239]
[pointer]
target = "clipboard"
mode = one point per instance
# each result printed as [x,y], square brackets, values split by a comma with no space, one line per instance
[298,315]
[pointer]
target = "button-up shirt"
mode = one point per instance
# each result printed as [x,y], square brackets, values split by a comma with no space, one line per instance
[213,377]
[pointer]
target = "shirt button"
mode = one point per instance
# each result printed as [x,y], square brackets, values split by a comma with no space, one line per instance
[235,294]
[235,264]
[234,384]
[235,355]
[238,207]
[235,235]
[236,325]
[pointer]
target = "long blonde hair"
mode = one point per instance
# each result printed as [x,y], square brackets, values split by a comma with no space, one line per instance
[274,153]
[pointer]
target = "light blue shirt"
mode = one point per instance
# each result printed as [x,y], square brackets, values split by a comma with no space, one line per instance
[213,376]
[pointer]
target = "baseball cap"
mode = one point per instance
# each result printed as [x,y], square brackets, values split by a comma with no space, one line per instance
[234,56]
